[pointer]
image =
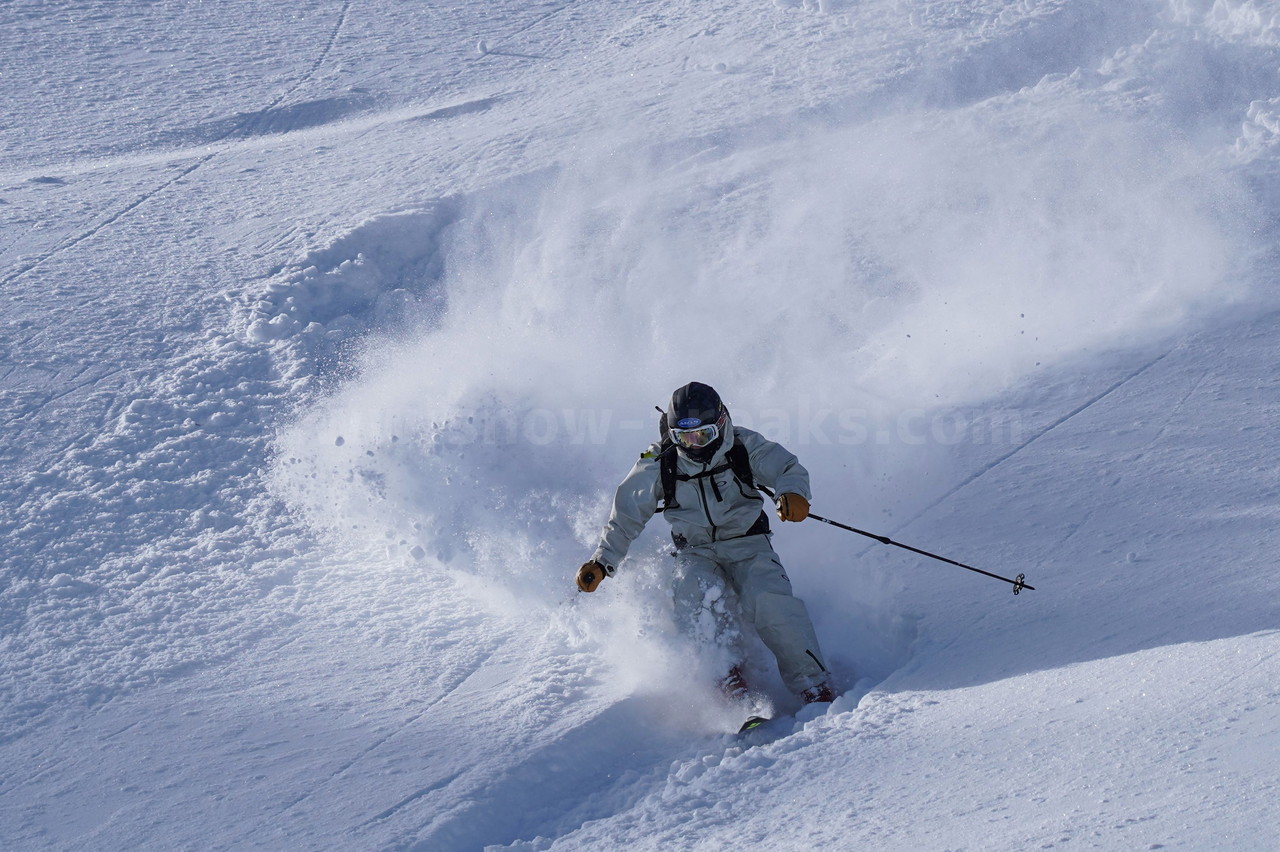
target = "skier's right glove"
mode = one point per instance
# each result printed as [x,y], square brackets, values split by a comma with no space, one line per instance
[590,575]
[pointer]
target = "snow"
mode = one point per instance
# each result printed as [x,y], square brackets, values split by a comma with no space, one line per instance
[330,326]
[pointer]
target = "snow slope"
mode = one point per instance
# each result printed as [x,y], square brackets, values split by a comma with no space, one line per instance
[330,326]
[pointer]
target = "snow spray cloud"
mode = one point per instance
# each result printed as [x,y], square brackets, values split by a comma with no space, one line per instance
[899,268]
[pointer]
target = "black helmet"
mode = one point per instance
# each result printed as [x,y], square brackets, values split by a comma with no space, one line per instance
[696,420]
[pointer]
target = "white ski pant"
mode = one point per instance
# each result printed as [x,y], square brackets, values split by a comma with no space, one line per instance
[708,577]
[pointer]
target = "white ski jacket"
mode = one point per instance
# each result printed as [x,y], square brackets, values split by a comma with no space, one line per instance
[705,512]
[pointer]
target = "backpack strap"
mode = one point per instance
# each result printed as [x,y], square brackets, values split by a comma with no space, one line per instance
[740,461]
[667,473]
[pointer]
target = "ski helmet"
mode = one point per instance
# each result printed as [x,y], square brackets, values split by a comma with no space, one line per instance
[697,419]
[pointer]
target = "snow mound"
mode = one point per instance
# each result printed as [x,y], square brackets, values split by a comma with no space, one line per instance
[380,276]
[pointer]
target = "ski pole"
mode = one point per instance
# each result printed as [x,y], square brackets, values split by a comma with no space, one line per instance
[1019,583]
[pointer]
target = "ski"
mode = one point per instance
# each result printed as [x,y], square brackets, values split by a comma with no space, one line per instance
[753,722]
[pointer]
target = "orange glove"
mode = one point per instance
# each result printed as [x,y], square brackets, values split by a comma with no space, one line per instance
[792,507]
[590,575]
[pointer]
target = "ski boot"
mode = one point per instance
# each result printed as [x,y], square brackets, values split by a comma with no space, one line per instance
[818,694]
[733,686]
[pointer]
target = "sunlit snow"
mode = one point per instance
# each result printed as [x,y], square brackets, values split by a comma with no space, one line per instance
[330,326]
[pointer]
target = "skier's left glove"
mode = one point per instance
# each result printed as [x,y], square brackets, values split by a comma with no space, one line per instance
[792,507]
[590,575]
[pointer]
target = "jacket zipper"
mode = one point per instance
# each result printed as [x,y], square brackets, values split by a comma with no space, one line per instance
[706,509]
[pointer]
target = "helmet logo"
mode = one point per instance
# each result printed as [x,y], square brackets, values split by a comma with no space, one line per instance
[688,422]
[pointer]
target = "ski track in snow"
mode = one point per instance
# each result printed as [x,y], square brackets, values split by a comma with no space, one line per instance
[186,171]
[253,576]
[106,223]
[1040,433]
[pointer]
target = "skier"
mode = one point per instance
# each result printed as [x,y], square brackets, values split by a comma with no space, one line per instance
[704,473]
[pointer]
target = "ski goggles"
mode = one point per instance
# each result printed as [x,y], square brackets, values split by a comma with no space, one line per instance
[698,437]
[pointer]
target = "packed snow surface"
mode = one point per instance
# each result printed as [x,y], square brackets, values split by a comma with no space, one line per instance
[329,327]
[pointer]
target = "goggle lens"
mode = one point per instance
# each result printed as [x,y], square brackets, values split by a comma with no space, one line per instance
[699,436]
